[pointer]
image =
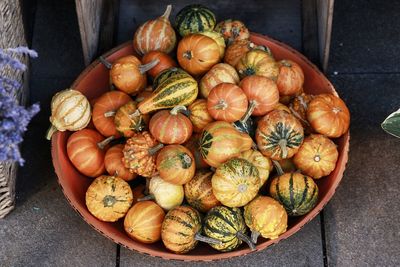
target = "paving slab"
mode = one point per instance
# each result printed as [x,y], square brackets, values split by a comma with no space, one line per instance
[365,36]
[362,226]
[302,249]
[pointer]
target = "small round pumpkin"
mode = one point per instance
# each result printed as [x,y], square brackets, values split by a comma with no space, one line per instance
[298,193]
[279,135]
[328,115]
[232,30]
[227,102]
[86,150]
[108,103]
[219,39]
[199,193]
[262,163]
[126,123]
[198,115]
[108,198]
[237,50]
[171,126]
[194,19]
[317,156]
[175,164]
[140,154]
[143,222]
[265,216]
[155,35]
[194,146]
[115,166]
[197,53]
[219,73]
[236,182]
[290,79]
[164,62]
[258,62]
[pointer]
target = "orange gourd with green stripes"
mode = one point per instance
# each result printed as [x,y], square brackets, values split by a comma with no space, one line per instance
[198,115]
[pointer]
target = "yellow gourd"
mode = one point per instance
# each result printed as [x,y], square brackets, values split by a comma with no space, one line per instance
[262,163]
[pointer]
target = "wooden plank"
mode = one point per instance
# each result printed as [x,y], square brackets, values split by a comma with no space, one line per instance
[325,15]
[310,31]
[108,26]
[89,18]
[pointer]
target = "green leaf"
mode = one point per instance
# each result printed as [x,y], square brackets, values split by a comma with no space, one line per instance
[391,124]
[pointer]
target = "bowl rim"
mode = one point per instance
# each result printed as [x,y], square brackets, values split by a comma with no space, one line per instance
[218,255]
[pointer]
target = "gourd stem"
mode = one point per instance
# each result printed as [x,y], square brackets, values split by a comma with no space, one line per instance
[177,109]
[246,239]
[254,236]
[135,114]
[110,113]
[283,145]
[249,111]
[213,169]
[167,12]
[52,129]
[187,55]
[297,115]
[221,105]
[278,167]
[208,240]
[105,142]
[154,149]
[105,62]
[148,197]
[148,66]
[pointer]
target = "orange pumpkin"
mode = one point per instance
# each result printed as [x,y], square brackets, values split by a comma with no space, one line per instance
[258,62]
[155,35]
[219,73]
[290,79]
[143,222]
[164,62]
[328,115]
[227,102]
[115,166]
[197,53]
[175,164]
[85,149]
[199,115]
[104,109]
[237,50]
[262,93]
[126,123]
[170,126]
[232,30]
[140,154]
[298,107]
[317,156]
[194,146]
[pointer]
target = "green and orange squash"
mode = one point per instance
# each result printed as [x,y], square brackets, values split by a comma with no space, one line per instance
[262,163]
[219,73]
[258,62]
[194,19]
[126,123]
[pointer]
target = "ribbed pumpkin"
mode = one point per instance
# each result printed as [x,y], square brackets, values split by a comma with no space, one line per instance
[279,135]
[181,230]
[262,163]
[328,115]
[220,141]
[317,156]
[299,106]
[115,166]
[265,216]
[126,123]
[219,39]
[155,35]
[219,73]
[140,154]
[143,222]
[232,30]
[228,226]
[290,79]
[164,62]
[237,50]
[258,62]
[197,53]
[194,146]
[108,103]
[128,74]
[170,126]
[70,110]
[193,19]
[174,91]
[236,182]
[86,150]
[298,193]
[175,164]
[262,93]
[227,102]
[108,198]
[166,74]
[198,115]
[199,193]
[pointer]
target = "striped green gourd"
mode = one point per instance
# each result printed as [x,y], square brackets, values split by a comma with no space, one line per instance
[194,19]
[297,192]
[166,74]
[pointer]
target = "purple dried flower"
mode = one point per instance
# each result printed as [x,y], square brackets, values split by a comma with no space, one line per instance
[23,50]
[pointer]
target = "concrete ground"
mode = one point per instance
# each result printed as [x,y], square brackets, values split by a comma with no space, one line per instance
[360,226]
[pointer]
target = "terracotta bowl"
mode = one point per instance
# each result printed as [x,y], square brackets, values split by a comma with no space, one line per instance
[93,81]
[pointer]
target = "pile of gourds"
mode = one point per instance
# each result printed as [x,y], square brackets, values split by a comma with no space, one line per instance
[205,136]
